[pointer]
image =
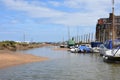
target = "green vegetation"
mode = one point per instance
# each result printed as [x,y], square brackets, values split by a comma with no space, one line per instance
[8,45]
[12,45]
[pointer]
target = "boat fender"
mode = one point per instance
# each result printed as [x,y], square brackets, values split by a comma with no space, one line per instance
[105,57]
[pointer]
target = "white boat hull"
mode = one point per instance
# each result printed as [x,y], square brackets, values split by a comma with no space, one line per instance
[112,55]
[74,50]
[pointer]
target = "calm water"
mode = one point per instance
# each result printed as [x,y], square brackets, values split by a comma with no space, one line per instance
[63,66]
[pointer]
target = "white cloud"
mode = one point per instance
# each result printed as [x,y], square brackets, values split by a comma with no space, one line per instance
[55,3]
[31,9]
[14,21]
[94,9]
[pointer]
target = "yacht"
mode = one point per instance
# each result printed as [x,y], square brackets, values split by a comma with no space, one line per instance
[113,53]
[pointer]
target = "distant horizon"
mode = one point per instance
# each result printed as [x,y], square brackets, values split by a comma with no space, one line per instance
[48,20]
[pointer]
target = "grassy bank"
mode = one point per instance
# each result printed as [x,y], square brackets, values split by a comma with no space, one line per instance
[13,46]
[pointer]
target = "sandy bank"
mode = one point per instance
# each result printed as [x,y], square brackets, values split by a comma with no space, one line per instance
[9,58]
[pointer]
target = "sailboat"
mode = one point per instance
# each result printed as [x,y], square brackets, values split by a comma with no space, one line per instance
[113,54]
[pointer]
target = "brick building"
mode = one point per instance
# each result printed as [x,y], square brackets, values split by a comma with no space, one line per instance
[104,28]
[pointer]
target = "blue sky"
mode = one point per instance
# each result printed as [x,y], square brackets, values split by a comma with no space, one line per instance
[48,20]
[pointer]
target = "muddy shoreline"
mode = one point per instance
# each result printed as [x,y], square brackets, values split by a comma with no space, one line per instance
[10,58]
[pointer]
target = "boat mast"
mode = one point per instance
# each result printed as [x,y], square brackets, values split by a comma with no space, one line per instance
[24,36]
[113,27]
[68,33]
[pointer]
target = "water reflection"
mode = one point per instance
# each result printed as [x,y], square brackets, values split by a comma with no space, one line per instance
[47,52]
[67,66]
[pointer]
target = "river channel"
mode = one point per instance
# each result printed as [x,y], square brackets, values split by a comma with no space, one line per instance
[63,65]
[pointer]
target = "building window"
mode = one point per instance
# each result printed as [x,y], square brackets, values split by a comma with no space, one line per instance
[118,31]
[117,20]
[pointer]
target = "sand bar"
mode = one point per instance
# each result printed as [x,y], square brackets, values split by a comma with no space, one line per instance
[9,58]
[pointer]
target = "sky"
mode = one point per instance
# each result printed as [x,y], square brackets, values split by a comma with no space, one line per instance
[49,20]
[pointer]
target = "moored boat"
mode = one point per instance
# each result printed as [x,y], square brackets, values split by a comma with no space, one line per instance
[113,53]
[84,49]
[95,46]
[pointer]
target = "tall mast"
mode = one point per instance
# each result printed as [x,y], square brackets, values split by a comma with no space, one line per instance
[77,35]
[68,33]
[113,26]
[24,36]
